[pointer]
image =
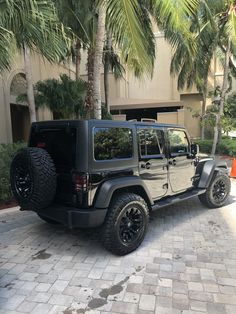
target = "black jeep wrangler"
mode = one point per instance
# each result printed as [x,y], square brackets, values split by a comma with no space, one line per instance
[111,173]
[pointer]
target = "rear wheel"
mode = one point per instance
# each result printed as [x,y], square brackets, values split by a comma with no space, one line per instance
[217,193]
[126,224]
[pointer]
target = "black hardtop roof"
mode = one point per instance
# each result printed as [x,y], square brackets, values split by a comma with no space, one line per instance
[70,123]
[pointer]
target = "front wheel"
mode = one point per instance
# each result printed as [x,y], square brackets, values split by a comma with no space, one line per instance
[126,224]
[217,193]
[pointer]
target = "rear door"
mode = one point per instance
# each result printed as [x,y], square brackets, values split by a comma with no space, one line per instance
[152,160]
[181,163]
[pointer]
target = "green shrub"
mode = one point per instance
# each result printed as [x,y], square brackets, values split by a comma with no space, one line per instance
[7,151]
[204,146]
[226,147]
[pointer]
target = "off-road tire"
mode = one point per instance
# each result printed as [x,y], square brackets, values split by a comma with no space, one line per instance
[33,178]
[208,198]
[111,230]
[48,220]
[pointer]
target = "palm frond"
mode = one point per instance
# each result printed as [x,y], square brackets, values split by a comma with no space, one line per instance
[124,21]
[35,24]
[7,48]
[174,18]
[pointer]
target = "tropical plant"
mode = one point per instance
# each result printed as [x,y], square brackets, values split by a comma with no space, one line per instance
[228,120]
[31,25]
[64,97]
[213,26]
[7,151]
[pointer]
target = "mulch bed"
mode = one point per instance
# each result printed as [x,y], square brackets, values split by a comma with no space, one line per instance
[8,204]
[226,157]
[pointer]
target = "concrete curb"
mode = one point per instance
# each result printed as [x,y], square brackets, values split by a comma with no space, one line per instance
[9,210]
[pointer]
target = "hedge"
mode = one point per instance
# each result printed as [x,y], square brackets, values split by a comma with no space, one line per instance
[7,151]
[226,147]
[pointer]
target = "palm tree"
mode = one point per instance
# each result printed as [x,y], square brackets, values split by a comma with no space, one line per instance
[213,28]
[34,26]
[97,65]
[129,25]
[134,37]
[193,68]
[79,16]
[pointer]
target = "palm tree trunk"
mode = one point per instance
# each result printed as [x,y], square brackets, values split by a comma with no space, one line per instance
[106,72]
[203,116]
[89,103]
[222,98]
[216,134]
[99,43]
[29,82]
[77,59]
[205,88]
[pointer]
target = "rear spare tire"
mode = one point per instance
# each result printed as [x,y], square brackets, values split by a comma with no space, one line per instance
[33,178]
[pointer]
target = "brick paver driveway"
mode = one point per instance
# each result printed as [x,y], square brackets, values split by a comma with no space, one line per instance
[187,264]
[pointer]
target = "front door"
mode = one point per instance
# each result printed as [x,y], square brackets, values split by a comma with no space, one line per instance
[152,160]
[181,163]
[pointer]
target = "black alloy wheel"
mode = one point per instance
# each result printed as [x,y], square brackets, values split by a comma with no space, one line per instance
[131,224]
[23,181]
[217,192]
[126,223]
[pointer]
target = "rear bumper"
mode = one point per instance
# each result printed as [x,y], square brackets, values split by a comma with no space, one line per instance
[75,217]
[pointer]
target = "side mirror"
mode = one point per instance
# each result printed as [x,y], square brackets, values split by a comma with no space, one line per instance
[194,149]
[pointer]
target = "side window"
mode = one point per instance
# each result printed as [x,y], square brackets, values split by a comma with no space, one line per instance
[112,143]
[179,143]
[150,142]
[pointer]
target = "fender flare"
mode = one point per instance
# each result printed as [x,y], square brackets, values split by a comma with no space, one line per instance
[105,192]
[207,168]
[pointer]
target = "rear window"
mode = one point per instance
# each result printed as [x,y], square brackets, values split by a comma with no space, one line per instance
[60,144]
[112,143]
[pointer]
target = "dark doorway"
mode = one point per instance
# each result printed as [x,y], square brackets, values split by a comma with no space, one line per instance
[20,122]
[150,113]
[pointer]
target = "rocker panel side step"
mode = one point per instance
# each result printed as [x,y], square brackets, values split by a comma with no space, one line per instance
[177,198]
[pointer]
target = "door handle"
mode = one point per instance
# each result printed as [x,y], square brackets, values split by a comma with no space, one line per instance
[148,165]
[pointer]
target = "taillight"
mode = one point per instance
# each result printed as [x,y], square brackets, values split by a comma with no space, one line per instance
[81,182]
[41,145]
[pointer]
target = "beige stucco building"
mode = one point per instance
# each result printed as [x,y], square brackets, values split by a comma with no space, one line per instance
[130,98]
[14,116]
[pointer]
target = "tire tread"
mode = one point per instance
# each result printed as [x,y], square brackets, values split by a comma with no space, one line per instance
[116,206]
